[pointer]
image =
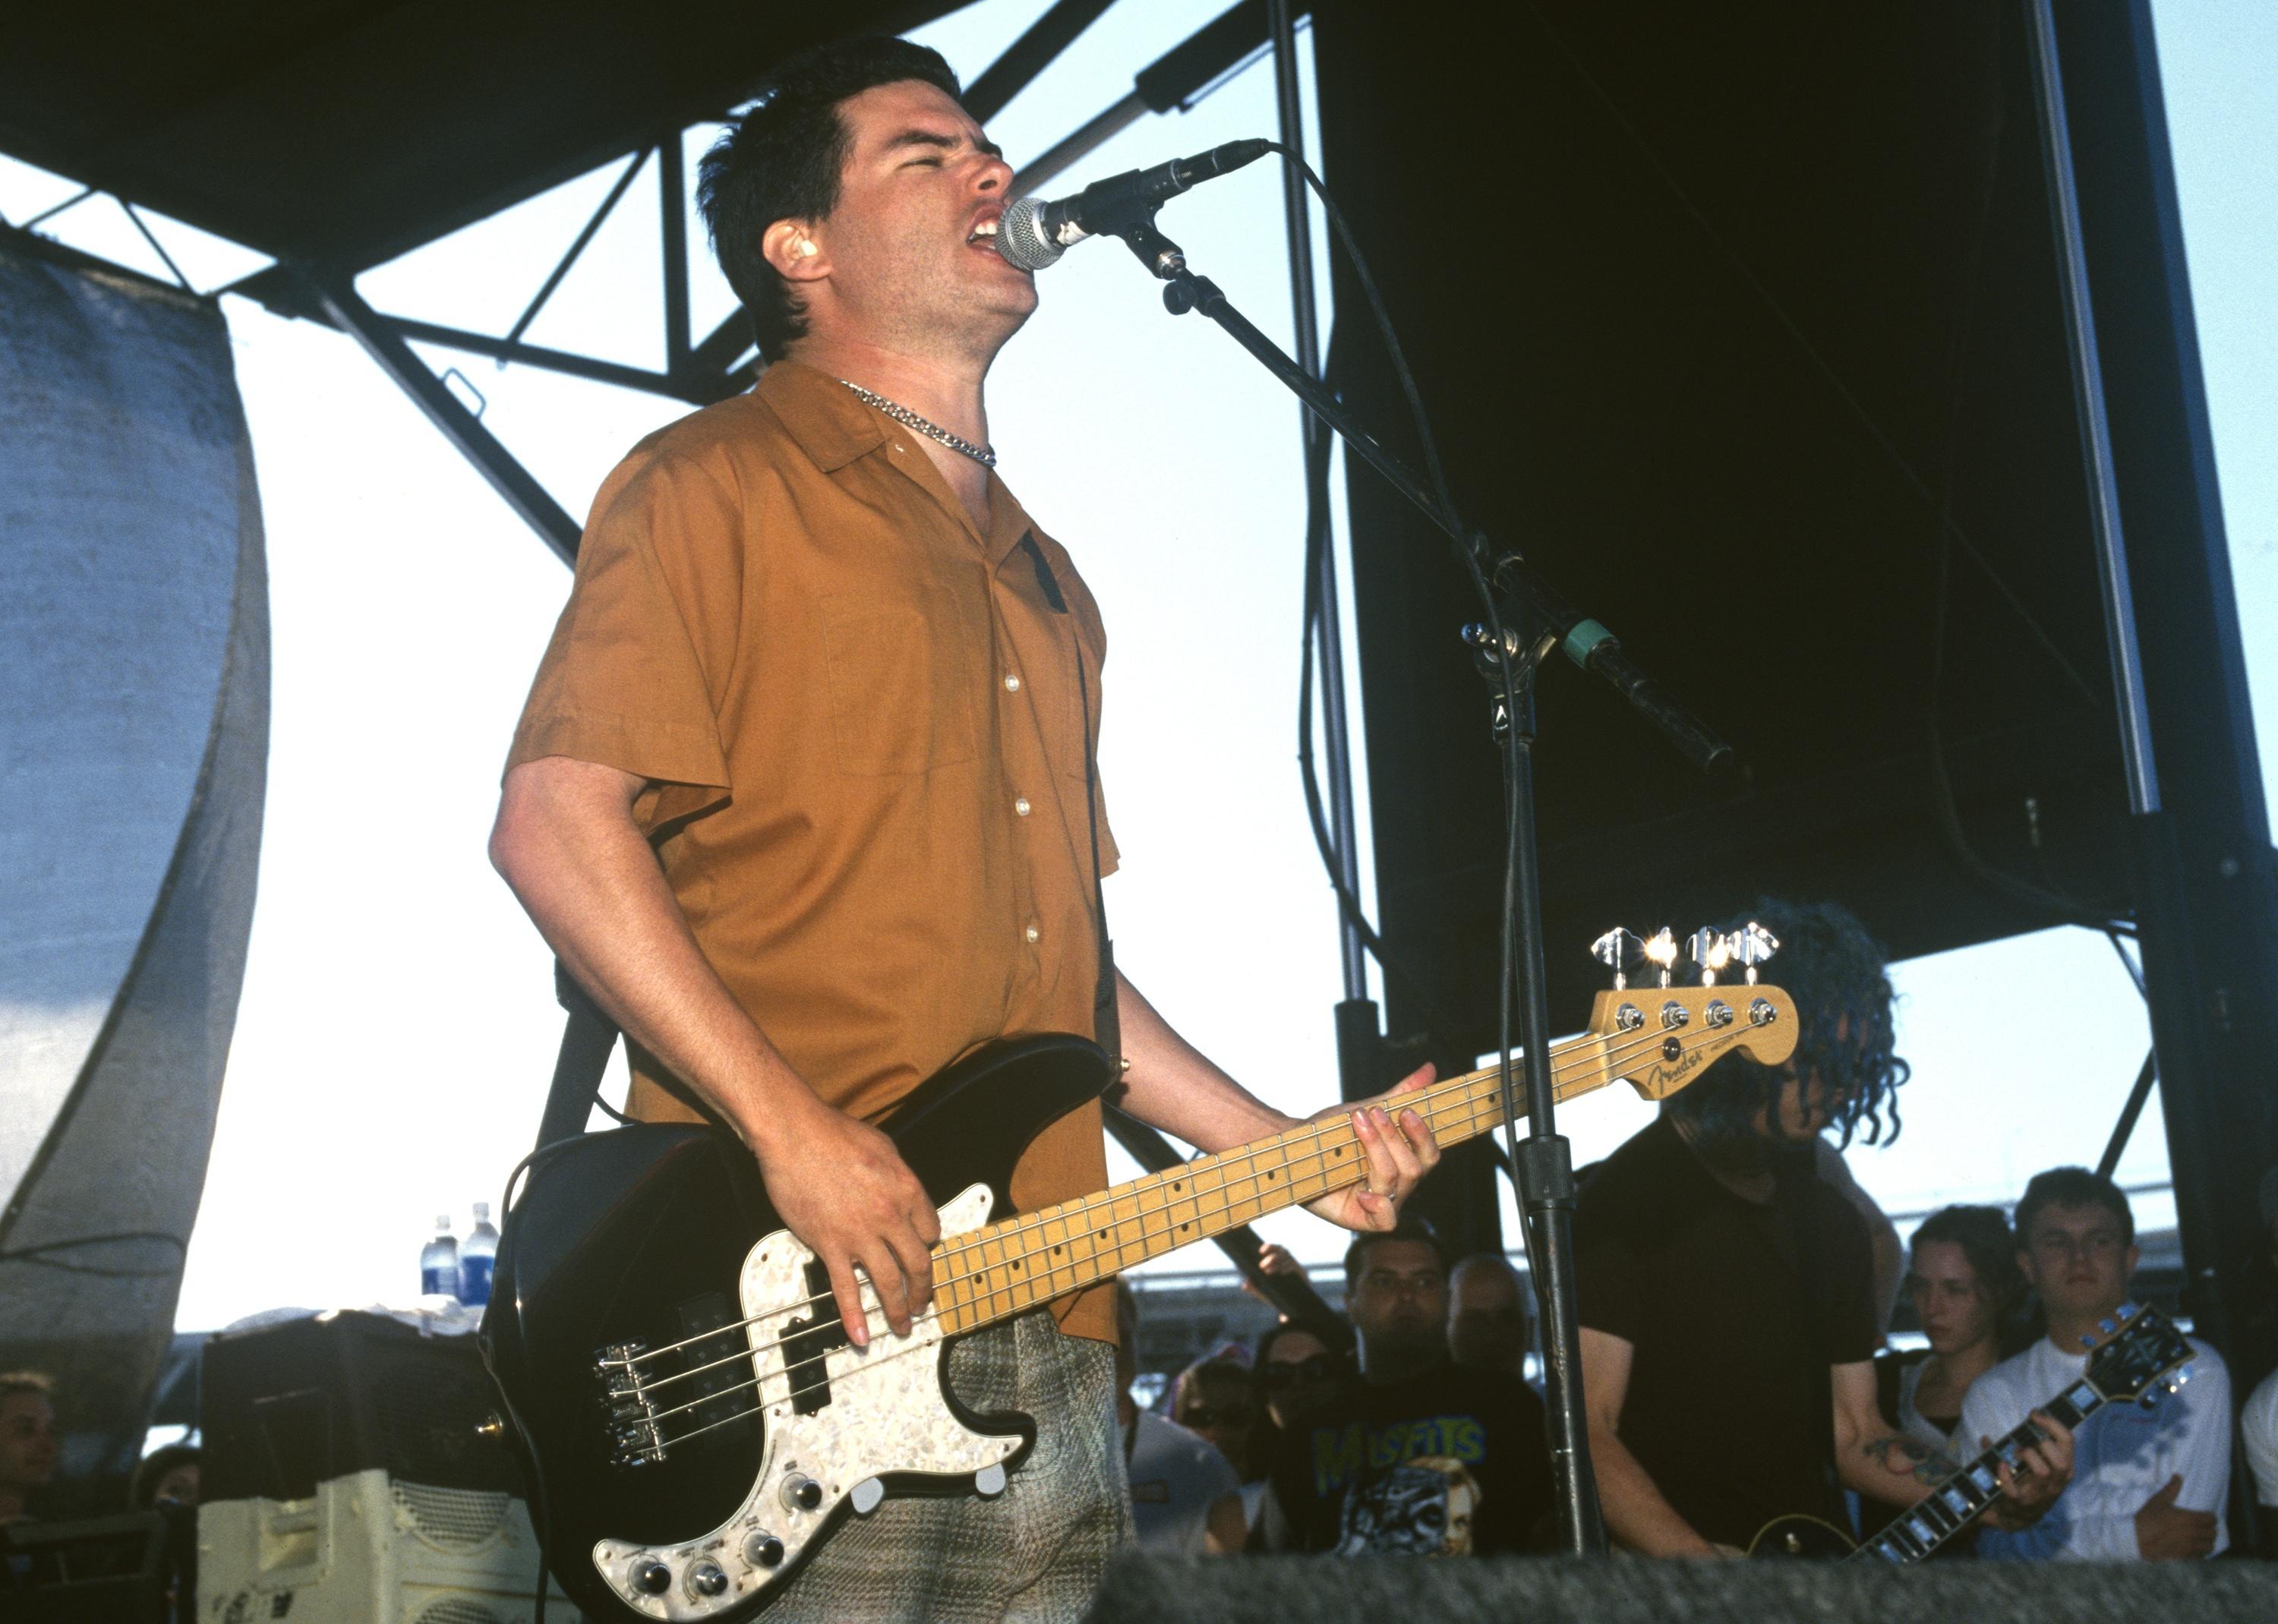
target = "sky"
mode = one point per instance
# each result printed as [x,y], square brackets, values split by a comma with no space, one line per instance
[397,1029]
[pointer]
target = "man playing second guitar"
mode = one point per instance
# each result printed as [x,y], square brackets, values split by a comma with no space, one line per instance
[803,793]
[1729,1314]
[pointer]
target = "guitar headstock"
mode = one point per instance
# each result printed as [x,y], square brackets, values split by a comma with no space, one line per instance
[1659,1039]
[2144,1359]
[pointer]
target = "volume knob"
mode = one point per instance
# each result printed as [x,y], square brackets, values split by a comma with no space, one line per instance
[706,1580]
[801,1494]
[763,1550]
[652,1577]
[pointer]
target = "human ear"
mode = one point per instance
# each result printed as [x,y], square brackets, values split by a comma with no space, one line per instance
[791,248]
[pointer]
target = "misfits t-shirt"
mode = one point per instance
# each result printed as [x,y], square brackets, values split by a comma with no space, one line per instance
[1452,1462]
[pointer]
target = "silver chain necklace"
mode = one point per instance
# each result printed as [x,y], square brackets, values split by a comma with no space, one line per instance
[902,415]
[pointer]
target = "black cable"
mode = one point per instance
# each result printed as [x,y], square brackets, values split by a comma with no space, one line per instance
[611,1111]
[1469,547]
[530,1449]
[1395,964]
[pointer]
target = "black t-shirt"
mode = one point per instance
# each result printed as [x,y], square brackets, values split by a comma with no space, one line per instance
[1735,1309]
[1451,1463]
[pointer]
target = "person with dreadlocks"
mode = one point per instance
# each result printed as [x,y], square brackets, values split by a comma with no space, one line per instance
[1727,1293]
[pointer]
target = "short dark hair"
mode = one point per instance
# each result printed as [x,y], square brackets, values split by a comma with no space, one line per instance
[1407,1229]
[1985,1237]
[2073,1187]
[154,1469]
[1834,970]
[780,160]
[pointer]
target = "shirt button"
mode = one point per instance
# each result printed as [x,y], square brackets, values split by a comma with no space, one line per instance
[1035,935]
[1021,805]
[1011,682]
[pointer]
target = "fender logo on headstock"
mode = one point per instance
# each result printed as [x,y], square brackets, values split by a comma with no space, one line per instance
[1665,1077]
[1660,1040]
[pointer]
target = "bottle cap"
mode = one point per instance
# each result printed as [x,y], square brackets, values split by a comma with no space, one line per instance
[482,1212]
[443,1220]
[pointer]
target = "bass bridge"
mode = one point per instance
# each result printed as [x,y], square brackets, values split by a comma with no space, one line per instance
[628,1405]
[655,1400]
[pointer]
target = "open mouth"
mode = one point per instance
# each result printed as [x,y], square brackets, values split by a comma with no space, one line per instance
[984,235]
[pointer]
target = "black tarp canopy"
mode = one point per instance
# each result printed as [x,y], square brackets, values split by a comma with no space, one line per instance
[343,132]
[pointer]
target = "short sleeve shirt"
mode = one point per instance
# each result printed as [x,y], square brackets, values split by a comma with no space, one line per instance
[1176,1477]
[1736,1310]
[1450,1462]
[862,726]
[2257,1427]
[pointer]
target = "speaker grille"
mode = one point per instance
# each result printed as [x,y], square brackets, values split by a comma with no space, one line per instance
[456,1521]
[458,1609]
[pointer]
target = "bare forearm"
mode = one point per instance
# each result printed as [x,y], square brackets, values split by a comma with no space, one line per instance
[1636,1513]
[1171,1086]
[1892,1468]
[591,885]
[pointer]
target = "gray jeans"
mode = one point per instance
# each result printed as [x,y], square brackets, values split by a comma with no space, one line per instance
[1033,1553]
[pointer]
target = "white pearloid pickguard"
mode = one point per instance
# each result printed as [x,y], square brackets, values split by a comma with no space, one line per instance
[886,1415]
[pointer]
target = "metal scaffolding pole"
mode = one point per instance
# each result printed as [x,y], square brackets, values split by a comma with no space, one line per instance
[1281,28]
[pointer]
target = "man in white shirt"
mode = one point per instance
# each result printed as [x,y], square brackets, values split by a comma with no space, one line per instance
[2257,1423]
[2147,1485]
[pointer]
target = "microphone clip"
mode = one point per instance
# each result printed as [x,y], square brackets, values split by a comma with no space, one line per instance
[1164,259]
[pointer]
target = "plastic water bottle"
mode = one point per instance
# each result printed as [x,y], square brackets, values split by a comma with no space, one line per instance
[438,1261]
[476,1258]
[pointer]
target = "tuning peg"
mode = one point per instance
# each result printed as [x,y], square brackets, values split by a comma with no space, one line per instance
[2108,1327]
[1752,944]
[2087,1339]
[1660,952]
[1710,950]
[1619,950]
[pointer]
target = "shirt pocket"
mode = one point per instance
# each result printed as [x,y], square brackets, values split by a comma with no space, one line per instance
[901,686]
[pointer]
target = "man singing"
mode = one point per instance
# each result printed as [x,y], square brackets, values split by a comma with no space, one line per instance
[804,791]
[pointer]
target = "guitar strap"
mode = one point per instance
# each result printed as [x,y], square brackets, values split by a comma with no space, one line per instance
[587,1041]
[1106,1022]
[589,1037]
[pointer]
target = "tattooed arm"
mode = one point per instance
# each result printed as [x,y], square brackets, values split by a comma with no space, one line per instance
[1870,1456]
[1885,1465]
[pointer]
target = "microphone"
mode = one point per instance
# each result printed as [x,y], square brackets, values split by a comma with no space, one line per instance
[1034,234]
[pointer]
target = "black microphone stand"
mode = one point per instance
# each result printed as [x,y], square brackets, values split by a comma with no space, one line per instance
[1527,621]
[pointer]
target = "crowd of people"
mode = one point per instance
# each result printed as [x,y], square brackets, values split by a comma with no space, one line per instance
[1432,1440]
[1736,1289]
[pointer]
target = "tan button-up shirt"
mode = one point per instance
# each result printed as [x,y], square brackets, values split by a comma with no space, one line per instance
[859,723]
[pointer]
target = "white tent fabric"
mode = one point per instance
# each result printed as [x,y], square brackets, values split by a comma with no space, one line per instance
[133,745]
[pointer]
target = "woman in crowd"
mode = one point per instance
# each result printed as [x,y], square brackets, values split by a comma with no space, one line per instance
[1216,1400]
[1967,1290]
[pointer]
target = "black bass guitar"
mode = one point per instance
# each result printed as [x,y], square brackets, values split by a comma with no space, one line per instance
[694,1421]
[2144,1359]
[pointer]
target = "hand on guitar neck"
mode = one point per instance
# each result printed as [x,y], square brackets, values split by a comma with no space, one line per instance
[1401,1150]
